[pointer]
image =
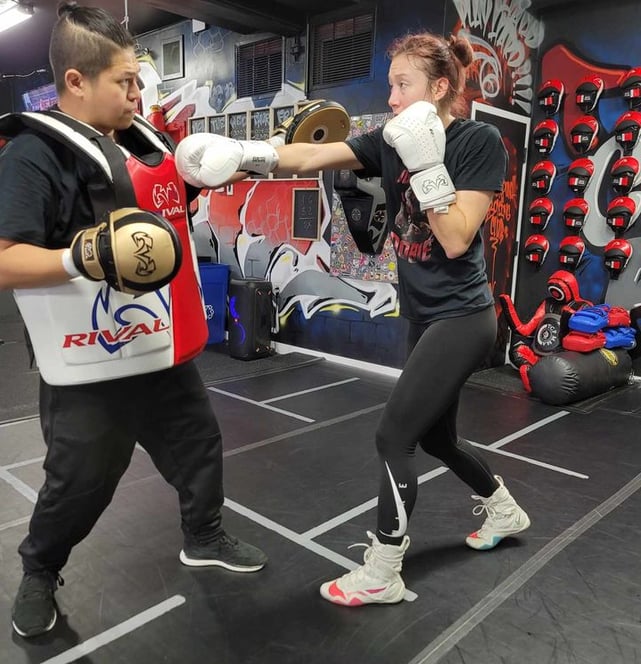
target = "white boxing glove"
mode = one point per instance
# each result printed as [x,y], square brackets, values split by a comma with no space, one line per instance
[418,136]
[209,160]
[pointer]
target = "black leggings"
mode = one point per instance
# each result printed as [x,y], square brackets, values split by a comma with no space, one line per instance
[422,410]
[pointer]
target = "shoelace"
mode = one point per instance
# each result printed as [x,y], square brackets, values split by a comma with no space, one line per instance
[490,510]
[33,588]
[361,569]
[477,510]
[228,540]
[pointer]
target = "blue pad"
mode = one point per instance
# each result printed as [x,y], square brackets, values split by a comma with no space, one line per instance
[590,319]
[620,337]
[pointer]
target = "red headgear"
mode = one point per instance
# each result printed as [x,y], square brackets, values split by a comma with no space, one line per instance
[574,213]
[588,92]
[536,249]
[571,251]
[626,130]
[625,174]
[540,211]
[616,255]
[550,95]
[584,134]
[620,214]
[579,173]
[542,176]
[544,135]
[630,84]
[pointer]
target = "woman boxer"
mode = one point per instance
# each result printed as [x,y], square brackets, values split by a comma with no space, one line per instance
[439,173]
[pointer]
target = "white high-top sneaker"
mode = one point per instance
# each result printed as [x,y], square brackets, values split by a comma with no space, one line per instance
[504,518]
[376,581]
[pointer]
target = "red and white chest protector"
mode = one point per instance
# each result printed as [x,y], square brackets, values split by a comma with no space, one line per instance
[83,331]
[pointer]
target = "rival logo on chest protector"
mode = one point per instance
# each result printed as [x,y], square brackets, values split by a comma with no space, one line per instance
[112,340]
[167,200]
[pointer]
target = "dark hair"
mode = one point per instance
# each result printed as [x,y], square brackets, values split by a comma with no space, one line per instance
[438,57]
[86,39]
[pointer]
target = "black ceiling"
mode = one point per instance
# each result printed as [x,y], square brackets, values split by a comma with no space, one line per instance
[24,48]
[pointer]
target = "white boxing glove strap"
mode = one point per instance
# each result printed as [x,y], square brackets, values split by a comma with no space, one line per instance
[431,185]
[68,264]
[258,157]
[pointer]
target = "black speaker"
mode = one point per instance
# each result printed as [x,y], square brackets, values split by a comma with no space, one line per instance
[251,311]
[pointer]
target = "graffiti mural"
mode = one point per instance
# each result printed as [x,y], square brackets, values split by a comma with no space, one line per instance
[248,226]
[503,35]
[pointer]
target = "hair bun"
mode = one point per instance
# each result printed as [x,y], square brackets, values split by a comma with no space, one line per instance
[67,7]
[462,49]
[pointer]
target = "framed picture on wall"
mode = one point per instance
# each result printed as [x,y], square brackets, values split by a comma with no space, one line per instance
[172,58]
[197,125]
[259,124]
[281,113]
[306,214]
[238,126]
[218,124]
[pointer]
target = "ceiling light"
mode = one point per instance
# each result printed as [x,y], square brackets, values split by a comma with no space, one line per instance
[12,13]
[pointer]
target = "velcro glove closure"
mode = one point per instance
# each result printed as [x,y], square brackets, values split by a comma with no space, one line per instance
[433,188]
[258,157]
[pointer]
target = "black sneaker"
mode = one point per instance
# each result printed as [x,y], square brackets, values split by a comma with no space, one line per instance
[226,551]
[34,609]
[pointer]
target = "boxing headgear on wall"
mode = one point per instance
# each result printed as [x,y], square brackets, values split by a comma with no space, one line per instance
[630,84]
[626,130]
[540,211]
[583,134]
[571,252]
[574,213]
[542,176]
[579,173]
[616,255]
[544,136]
[621,214]
[588,92]
[536,249]
[550,95]
[625,174]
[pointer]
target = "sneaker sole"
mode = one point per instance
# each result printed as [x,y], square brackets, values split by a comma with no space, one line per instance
[195,562]
[499,538]
[356,600]
[26,635]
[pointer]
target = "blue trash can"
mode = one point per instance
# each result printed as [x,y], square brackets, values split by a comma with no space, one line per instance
[214,278]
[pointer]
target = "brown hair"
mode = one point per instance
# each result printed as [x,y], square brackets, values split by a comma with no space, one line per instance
[438,58]
[86,39]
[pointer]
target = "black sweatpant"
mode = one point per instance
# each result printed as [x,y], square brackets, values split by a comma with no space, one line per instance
[422,410]
[90,432]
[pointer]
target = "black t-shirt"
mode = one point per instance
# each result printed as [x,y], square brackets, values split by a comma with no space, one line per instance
[432,286]
[44,186]
[41,186]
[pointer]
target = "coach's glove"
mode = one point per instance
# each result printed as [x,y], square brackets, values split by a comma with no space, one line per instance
[418,136]
[134,251]
[209,160]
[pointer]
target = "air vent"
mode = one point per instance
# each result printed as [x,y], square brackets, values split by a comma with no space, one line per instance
[259,67]
[342,50]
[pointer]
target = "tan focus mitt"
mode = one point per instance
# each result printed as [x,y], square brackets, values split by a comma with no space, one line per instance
[134,251]
[317,121]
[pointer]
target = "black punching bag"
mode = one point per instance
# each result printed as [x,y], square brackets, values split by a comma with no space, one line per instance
[568,376]
[635,322]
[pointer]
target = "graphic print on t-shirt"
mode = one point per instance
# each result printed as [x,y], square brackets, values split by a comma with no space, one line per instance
[411,236]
